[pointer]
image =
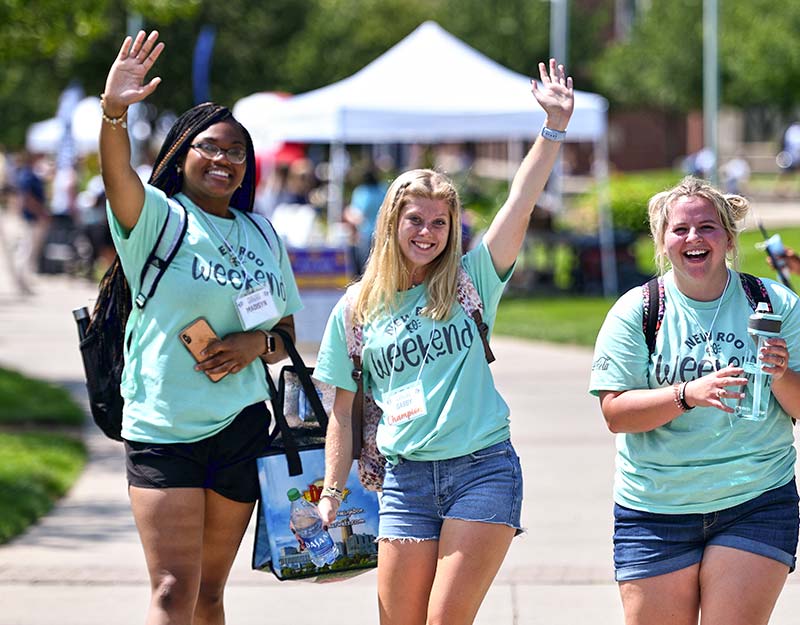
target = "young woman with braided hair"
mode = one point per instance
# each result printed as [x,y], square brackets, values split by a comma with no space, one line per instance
[452,493]
[191,443]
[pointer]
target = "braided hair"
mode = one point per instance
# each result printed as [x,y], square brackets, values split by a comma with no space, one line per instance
[165,174]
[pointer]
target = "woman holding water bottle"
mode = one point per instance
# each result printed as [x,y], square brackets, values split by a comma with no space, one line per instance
[706,506]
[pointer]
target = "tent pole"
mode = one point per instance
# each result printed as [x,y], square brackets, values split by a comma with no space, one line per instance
[338,165]
[514,156]
[608,260]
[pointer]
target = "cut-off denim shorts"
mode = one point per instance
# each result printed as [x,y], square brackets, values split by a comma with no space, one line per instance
[417,496]
[648,544]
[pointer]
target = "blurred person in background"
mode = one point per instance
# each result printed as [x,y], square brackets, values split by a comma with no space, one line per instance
[30,202]
[362,214]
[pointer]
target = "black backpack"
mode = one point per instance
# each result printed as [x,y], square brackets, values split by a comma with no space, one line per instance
[653,300]
[102,334]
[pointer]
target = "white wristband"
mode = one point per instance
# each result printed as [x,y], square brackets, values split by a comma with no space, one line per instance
[553,135]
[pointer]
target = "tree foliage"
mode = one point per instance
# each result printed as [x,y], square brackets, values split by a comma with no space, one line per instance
[661,64]
[273,45]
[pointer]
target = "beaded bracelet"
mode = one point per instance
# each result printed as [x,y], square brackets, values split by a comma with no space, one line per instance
[679,396]
[112,121]
[676,396]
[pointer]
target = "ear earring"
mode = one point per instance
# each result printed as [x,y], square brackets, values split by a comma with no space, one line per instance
[178,169]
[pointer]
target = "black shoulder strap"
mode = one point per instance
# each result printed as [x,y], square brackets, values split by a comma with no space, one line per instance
[755,291]
[289,443]
[164,250]
[650,313]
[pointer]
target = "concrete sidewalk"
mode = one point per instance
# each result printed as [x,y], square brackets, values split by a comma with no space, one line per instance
[82,564]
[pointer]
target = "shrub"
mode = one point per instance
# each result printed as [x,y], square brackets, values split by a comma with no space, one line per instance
[629,194]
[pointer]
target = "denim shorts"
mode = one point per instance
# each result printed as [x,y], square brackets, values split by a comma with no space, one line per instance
[648,544]
[483,486]
[224,462]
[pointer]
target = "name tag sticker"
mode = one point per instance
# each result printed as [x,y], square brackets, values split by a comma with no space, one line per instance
[405,404]
[256,307]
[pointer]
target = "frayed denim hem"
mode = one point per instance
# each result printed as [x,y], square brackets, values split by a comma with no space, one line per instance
[404,539]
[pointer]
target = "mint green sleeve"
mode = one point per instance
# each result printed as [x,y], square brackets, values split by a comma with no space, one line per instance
[621,357]
[785,303]
[478,264]
[293,301]
[334,365]
[134,246]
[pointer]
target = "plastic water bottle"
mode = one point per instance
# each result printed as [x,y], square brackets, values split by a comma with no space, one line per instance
[308,524]
[760,326]
[304,408]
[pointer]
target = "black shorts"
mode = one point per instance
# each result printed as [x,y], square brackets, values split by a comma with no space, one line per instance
[224,463]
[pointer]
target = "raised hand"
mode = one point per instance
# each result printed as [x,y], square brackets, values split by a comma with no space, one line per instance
[555,94]
[125,82]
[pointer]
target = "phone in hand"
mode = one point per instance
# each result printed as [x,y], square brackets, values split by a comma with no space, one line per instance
[196,337]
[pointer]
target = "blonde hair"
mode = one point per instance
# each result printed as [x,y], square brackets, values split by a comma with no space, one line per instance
[730,209]
[386,272]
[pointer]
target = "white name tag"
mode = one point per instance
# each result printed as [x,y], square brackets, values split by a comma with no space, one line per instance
[405,404]
[255,307]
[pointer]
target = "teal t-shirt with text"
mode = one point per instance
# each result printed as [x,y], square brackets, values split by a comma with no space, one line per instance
[166,400]
[464,411]
[705,459]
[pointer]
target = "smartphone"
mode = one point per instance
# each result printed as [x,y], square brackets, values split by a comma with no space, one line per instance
[196,336]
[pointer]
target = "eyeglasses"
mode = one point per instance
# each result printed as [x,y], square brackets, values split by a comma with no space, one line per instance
[235,155]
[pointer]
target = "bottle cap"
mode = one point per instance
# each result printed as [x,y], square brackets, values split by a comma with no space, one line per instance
[763,322]
[293,494]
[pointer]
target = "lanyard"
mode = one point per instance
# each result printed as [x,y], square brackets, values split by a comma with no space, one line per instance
[228,246]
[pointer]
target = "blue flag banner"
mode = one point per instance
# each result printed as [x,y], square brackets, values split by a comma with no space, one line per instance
[201,65]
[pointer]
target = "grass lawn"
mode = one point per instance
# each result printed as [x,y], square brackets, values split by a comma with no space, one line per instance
[26,401]
[37,466]
[576,319]
[36,469]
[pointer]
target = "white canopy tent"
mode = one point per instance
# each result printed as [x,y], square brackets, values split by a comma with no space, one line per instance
[46,136]
[431,87]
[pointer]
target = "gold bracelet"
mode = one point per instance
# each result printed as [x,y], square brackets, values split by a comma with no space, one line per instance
[112,121]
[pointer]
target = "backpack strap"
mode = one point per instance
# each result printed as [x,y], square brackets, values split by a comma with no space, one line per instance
[166,246]
[755,291]
[652,311]
[354,337]
[263,225]
[470,301]
[653,300]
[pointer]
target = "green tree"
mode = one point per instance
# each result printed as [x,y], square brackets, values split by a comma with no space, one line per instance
[661,63]
[287,45]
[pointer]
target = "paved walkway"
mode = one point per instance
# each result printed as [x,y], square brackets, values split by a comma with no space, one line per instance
[82,564]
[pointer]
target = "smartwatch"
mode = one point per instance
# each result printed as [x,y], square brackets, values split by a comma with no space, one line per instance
[270,348]
[553,135]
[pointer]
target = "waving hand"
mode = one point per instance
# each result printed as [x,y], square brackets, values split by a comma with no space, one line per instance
[555,95]
[125,82]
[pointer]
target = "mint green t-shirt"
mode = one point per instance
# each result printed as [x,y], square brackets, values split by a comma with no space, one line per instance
[705,459]
[464,411]
[166,400]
